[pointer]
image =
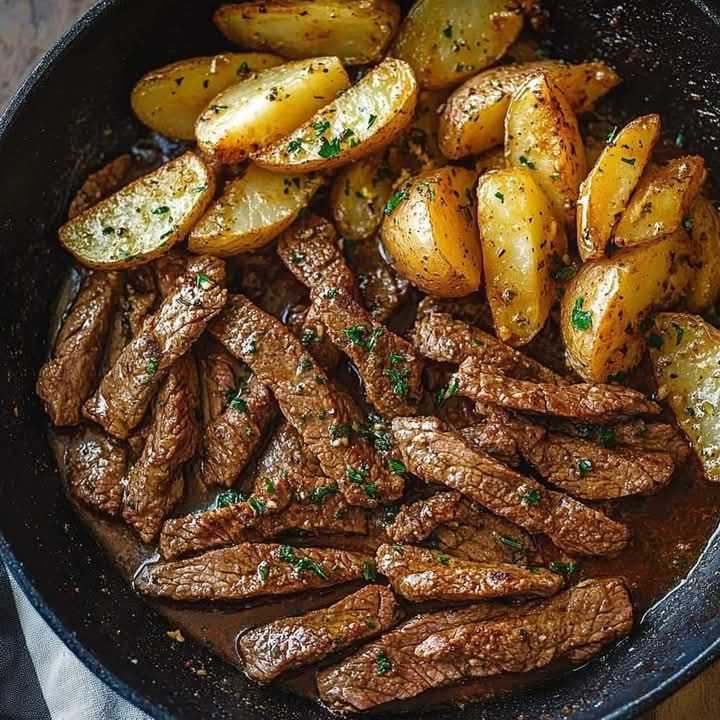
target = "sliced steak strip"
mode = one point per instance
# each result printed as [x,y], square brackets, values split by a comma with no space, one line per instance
[69,377]
[305,323]
[310,404]
[583,401]
[250,570]
[436,455]
[416,522]
[575,624]
[155,482]
[419,575]
[440,337]
[220,375]
[96,466]
[494,437]
[128,388]
[292,643]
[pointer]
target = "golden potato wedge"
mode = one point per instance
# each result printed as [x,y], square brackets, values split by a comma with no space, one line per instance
[144,219]
[363,120]
[685,354]
[359,195]
[356,32]
[661,201]
[257,111]
[253,209]
[171,98]
[474,116]
[447,42]
[542,134]
[430,233]
[521,241]
[605,303]
[704,289]
[605,192]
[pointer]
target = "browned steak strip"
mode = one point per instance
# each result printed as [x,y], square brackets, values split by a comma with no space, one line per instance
[305,323]
[101,184]
[494,437]
[155,482]
[310,404]
[419,575]
[583,401]
[416,521]
[436,455]
[68,378]
[396,666]
[575,624]
[220,375]
[292,643]
[127,389]
[440,337]
[96,466]
[250,570]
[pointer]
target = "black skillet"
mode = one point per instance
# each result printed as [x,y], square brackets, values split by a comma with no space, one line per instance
[72,114]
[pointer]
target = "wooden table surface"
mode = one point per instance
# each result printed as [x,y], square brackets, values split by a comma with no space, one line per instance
[27,29]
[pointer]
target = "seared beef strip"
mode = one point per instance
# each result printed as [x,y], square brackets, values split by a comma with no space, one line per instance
[155,482]
[126,391]
[437,455]
[579,623]
[416,521]
[66,380]
[96,466]
[308,402]
[101,184]
[220,375]
[305,323]
[292,643]
[419,575]
[250,570]
[583,401]
[494,437]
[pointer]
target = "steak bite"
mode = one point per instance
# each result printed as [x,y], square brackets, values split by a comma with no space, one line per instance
[155,482]
[416,522]
[305,323]
[417,656]
[495,437]
[292,643]
[250,570]
[311,405]
[419,575]
[127,389]
[67,380]
[437,455]
[220,375]
[96,466]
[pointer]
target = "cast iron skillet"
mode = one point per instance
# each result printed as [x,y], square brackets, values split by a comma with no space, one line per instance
[71,115]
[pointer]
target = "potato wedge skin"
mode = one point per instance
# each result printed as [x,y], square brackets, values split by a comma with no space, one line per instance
[474,115]
[685,365]
[255,112]
[144,219]
[447,42]
[606,191]
[253,210]
[356,32]
[661,201]
[430,233]
[362,121]
[522,241]
[704,289]
[541,133]
[171,98]
[605,303]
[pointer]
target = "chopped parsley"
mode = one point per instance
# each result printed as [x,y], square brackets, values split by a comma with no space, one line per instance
[371,120]
[108,230]
[628,161]
[338,432]
[308,337]
[357,475]
[687,223]
[320,126]
[584,466]
[235,402]
[270,487]
[448,30]
[150,369]
[263,570]
[294,145]
[376,432]
[287,554]
[369,572]
[203,282]
[162,210]
[680,139]
[258,506]
[533,497]
[218,108]
[243,68]
[361,336]
[580,319]
[563,568]
[500,196]
[296,258]
[510,542]
[228,497]
[382,664]
[330,148]
[371,490]
[398,380]
[679,332]
[321,492]
[612,136]
[395,358]
[443,559]
[306,364]
[397,467]
[654,340]
[528,164]
[330,294]
[394,201]
[606,436]
[446,392]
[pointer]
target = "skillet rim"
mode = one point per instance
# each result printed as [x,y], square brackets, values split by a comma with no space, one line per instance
[41,70]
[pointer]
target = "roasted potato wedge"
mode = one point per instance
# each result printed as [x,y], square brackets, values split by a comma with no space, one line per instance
[144,219]
[704,289]
[445,43]
[661,201]
[605,304]
[522,241]
[359,195]
[473,119]
[430,233]
[542,134]
[606,191]
[363,120]
[356,32]
[171,98]
[686,356]
[257,111]
[253,209]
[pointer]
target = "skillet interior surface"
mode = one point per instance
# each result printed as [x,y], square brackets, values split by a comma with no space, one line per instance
[72,114]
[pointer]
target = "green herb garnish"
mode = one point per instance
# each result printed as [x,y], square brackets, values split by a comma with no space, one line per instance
[369,572]
[580,319]
[258,506]
[533,497]
[584,466]
[320,493]
[228,497]
[382,664]
[397,467]
[287,554]
[394,201]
